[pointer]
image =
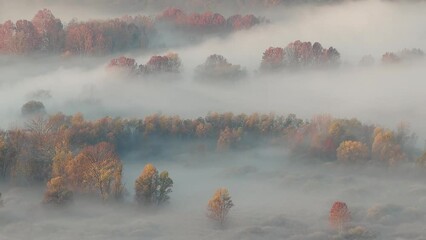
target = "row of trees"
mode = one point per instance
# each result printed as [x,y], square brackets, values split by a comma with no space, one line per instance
[299,55]
[100,174]
[208,21]
[169,63]
[33,154]
[216,67]
[45,33]
[296,55]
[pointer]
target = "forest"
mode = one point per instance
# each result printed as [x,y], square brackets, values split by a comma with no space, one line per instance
[242,119]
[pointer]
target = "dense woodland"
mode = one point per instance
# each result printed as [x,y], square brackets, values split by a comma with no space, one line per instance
[47,34]
[55,144]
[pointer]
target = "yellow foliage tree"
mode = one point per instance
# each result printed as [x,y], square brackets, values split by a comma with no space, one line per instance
[146,185]
[352,151]
[219,205]
[385,148]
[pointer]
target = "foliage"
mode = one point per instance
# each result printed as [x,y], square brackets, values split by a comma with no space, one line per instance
[352,151]
[152,188]
[216,67]
[96,169]
[339,216]
[57,192]
[299,55]
[219,205]
[207,22]
[122,63]
[402,56]
[47,34]
[169,63]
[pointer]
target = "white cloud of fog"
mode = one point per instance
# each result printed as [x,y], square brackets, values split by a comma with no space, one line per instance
[274,197]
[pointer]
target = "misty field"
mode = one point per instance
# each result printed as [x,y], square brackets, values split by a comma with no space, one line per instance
[196,119]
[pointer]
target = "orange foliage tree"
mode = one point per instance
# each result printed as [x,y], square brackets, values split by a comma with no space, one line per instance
[57,192]
[219,205]
[97,169]
[386,148]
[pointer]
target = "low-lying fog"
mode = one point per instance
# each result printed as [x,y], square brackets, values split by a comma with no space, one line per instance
[275,197]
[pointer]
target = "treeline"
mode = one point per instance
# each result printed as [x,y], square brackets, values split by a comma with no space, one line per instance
[27,155]
[296,55]
[47,34]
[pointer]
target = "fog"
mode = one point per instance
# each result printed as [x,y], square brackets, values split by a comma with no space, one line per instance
[276,195]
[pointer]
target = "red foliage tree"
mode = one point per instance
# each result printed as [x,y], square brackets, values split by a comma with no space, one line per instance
[50,30]
[272,59]
[100,37]
[123,63]
[7,31]
[339,215]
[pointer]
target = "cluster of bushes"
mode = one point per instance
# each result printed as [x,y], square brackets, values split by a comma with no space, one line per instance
[47,34]
[402,56]
[169,63]
[299,55]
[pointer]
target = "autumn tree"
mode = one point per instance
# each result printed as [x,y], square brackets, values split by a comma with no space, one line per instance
[101,37]
[18,38]
[339,216]
[402,56]
[63,157]
[57,192]
[352,151]
[272,59]
[228,138]
[238,22]
[96,169]
[170,63]
[216,67]
[219,205]
[152,188]
[124,64]
[50,31]
[385,148]
[299,55]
